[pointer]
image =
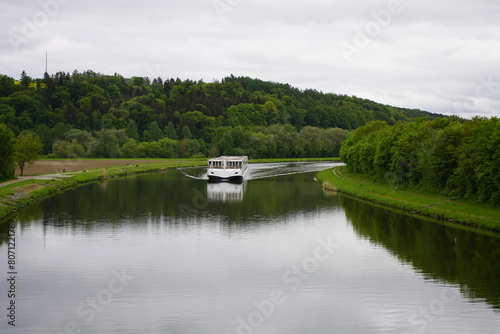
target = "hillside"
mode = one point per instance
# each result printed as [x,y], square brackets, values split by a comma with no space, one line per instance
[222,117]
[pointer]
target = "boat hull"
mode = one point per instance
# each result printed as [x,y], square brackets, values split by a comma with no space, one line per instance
[226,175]
[235,179]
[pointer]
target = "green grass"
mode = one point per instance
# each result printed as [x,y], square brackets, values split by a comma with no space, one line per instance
[17,196]
[419,202]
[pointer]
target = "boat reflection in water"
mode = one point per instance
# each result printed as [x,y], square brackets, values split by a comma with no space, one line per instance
[225,191]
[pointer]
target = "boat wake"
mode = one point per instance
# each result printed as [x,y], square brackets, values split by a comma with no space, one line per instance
[265,170]
[197,173]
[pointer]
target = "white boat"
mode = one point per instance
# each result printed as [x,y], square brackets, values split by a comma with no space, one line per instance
[227,168]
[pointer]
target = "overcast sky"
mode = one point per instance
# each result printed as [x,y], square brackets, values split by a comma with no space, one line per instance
[439,56]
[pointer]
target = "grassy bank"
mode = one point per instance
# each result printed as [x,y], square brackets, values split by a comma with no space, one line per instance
[16,196]
[419,202]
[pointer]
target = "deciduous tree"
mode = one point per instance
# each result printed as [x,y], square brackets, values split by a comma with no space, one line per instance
[6,153]
[27,149]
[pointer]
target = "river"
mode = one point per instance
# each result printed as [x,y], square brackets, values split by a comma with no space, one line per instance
[171,253]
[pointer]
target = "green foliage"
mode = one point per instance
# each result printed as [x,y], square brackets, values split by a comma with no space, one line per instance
[271,115]
[189,147]
[458,158]
[131,130]
[186,133]
[107,144]
[67,150]
[170,131]
[416,201]
[82,138]
[155,131]
[246,114]
[131,149]
[6,152]
[27,149]
[279,141]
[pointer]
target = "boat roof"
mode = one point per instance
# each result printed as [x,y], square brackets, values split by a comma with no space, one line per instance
[226,158]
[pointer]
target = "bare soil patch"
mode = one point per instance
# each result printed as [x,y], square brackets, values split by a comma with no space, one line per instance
[28,188]
[58,166]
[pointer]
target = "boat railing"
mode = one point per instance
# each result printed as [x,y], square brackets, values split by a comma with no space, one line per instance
[226,165]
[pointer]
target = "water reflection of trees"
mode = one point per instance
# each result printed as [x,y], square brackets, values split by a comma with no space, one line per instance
[444,253]
[4,233]
[173,198]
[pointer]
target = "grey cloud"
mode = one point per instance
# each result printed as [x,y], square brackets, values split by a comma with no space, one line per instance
[430,55]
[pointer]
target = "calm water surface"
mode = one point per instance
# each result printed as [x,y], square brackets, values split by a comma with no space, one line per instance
[171,253]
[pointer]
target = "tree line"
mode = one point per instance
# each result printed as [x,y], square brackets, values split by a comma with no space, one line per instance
[107,116]
[456,157]
[256,141]
[151,110]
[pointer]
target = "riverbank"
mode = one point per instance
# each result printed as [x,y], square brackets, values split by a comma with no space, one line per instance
[40,181]
[423,203]
[19,193]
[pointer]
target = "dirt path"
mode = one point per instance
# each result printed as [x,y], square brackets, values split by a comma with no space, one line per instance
[35,177]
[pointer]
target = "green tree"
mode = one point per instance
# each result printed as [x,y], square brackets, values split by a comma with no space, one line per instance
[59,131]
[146,136]
[332,140]
[312,139]
[170,131]
[232,141]
[195,120]
[109,121]
[209,129]
[168,148]
[188,148]
[25,79]
[131,149]
[6,152]
[83,138]
[107,145]
[261,145]
[131,130]
[155,131]
[45,134]
[67,150]
[27,149]
[247,114]
[186,133]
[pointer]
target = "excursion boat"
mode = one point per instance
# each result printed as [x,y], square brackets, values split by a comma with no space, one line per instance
[227,168]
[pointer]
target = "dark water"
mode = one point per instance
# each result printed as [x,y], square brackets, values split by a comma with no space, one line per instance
[167,253]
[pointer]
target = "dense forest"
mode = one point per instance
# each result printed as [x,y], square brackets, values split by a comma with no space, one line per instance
[94,115]
[459,158]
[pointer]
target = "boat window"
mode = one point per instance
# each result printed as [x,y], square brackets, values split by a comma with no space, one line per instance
[227,164]
[215,164]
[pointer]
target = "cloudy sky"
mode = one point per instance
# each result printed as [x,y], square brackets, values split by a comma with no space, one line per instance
[440,56]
